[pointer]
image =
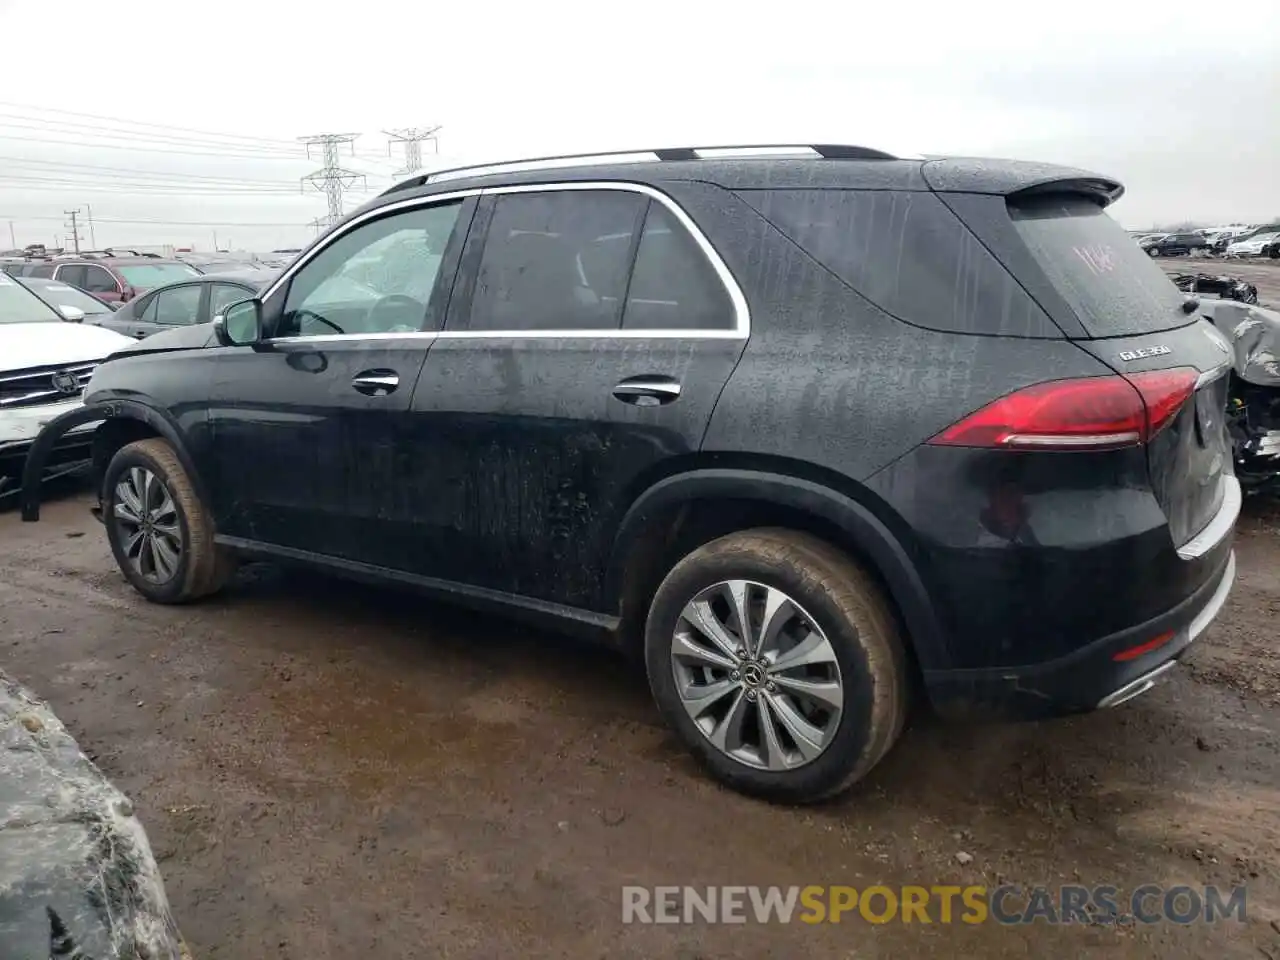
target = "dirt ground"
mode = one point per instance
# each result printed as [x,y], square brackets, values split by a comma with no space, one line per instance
[1264,274]
[333,771]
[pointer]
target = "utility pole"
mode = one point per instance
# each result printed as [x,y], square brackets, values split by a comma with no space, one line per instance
[13,240]
[332,178]
[412,138]
[93,242]
[75,232]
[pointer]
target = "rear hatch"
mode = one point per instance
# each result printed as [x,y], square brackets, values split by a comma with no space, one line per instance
[1113,302]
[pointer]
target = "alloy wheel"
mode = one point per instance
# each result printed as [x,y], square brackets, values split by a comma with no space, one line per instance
[757,675]
[147,527]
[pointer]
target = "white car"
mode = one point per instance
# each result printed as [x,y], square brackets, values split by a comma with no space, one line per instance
[45,361]
[1252,246]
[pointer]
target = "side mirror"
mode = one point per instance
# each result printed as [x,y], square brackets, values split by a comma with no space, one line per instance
[240,324]
[70,313]
[114,305]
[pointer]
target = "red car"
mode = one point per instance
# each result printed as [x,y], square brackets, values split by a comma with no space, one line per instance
[114,279]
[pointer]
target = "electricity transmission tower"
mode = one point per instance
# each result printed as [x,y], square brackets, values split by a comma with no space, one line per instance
[73,227]
[412,138]
[332,178]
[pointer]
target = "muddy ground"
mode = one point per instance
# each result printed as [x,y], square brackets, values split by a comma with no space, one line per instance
[333,771]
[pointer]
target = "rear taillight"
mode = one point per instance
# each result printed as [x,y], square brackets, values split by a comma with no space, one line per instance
[1090,413]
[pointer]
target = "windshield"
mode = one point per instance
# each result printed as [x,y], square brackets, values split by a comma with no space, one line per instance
[1112,285]
[1261,238]
[58,294]
[148,275]
[19,305]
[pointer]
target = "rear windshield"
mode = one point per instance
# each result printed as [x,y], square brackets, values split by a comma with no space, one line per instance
[1107,279]
[148,275]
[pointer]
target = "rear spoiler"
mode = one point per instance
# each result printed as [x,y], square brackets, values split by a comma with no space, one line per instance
[1018,178]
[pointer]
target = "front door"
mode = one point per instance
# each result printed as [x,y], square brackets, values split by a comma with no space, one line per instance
[309,426]
[589,337]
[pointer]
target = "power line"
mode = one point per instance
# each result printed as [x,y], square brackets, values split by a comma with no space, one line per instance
[142,187]
[136,136]
[264,157]
[141,123]
[164,223]
[412,138]
[98,172]
[332,178]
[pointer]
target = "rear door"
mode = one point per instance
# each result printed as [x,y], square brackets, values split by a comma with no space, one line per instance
[589,337]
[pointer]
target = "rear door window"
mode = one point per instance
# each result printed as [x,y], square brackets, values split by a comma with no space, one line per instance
[99,280]
[557,260]
[179,306]
[1107,279]
[73,274]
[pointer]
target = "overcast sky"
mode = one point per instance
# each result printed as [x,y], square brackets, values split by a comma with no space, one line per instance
[1180,105]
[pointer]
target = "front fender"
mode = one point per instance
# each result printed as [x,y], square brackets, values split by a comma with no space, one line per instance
[855,521]
[42,446]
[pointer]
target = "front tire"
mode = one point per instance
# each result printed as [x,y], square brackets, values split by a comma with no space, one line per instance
[1153,252]
[160,533]
[802,701]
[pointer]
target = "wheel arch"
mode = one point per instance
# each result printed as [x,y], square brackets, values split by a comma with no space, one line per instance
[680,511]
[122,422]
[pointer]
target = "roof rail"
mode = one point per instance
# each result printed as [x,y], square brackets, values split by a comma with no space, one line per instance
[826,151]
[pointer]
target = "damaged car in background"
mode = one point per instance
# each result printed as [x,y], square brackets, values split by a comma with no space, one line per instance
[1225,288]
[1253,398]
[78,879]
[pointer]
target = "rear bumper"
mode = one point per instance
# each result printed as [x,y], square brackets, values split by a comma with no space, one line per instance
[1090,677]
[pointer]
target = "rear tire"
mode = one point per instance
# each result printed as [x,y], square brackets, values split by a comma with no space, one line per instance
[765,743]
[160,533]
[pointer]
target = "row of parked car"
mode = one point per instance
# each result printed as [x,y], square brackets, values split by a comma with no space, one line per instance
[1230,242]
[123,293]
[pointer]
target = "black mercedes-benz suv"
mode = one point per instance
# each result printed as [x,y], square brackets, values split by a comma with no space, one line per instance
[814,431]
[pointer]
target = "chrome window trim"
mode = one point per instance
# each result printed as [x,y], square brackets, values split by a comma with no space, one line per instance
[742,314]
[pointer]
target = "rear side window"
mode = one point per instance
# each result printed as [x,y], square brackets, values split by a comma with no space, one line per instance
[673,285]
[556,261]
[908,254]
[1107,279]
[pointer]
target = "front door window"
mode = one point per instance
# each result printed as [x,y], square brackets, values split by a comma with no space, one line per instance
[376,279]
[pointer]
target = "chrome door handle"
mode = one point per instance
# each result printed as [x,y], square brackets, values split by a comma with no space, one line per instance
[376,383]
[647,391]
